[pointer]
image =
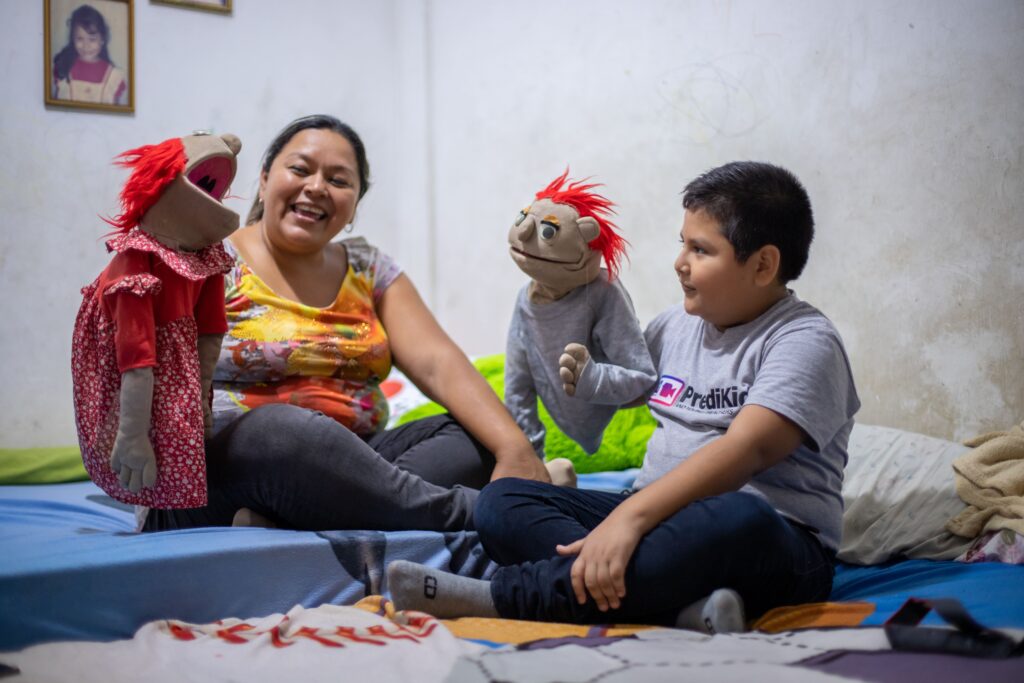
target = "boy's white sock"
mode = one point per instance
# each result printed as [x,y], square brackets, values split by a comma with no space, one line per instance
[424,589]
[720,612]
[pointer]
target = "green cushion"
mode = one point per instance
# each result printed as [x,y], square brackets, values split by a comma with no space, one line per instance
[41,465]
[623,446]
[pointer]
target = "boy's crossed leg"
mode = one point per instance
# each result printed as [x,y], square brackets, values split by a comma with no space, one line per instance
[520,519]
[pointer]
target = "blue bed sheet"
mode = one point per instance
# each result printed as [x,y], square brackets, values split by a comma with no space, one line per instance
[992,592]
[73,568]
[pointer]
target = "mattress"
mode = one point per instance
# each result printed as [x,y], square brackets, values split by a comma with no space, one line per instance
[73,568]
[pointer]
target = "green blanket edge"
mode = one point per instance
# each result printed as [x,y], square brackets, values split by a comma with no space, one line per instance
[58,465]
[623,445]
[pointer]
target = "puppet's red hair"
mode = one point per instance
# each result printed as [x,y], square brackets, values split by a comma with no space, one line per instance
[153,169]
[577,194]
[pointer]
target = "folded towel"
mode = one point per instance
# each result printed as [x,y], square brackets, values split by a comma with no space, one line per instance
[990,480]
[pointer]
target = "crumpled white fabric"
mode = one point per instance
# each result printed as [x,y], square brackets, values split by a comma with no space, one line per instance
[326,643]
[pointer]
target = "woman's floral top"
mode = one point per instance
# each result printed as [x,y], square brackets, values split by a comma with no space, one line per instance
[327,359]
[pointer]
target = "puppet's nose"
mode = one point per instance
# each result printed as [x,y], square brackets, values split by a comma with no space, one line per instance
[525,230]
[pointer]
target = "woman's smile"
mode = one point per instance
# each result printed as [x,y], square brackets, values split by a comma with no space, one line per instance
[309,213]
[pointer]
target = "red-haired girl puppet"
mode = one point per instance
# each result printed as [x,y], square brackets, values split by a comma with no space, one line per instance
[570,311]
[148,333]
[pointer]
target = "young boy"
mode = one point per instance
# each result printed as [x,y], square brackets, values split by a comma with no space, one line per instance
[737,508]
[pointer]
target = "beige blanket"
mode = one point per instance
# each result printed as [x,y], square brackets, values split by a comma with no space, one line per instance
[990,480]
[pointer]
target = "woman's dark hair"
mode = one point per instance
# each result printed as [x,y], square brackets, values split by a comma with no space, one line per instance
[319,122]
[756,204]
[91,21]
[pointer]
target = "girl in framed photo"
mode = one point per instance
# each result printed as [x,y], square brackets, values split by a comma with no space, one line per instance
[83,70]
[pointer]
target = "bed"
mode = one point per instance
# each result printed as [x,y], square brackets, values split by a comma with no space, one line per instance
[79,585]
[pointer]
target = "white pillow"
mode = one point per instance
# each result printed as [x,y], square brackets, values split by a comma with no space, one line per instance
[899,494]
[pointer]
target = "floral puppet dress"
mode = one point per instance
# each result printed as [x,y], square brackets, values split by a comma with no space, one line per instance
[147,309]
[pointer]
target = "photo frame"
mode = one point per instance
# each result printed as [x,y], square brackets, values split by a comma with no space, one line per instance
[89,54]
[219,6]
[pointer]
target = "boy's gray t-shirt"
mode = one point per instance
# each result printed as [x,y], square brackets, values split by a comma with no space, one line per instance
[791,360]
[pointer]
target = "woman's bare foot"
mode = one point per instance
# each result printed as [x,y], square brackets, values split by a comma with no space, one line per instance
[247,517]
[562,472]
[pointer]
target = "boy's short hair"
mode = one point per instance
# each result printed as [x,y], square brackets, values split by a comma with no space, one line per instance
[756,204]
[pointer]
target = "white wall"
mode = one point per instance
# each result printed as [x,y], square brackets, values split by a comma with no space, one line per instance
[248,73]
[903,119]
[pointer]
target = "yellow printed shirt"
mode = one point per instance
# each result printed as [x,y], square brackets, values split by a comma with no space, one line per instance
[327,359]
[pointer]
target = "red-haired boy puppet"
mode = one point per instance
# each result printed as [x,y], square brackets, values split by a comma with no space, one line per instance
[148,333]
[570,306]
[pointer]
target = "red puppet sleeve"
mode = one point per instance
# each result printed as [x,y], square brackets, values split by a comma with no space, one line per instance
[128,291]
[211,317]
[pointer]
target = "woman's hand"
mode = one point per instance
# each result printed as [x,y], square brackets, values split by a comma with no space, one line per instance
[519,461]
[602,557]
[439,368]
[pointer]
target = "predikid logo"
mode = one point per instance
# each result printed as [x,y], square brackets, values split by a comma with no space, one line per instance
[669,390]
[673,391]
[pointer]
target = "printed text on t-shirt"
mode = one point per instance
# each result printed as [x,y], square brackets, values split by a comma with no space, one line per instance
[673,391]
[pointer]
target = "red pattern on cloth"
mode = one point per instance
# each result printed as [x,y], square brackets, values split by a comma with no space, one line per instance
[176,429]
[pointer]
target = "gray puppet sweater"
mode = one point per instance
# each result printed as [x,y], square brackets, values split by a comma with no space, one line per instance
[598,315]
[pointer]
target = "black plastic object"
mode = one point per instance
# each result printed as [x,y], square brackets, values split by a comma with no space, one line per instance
[967,638]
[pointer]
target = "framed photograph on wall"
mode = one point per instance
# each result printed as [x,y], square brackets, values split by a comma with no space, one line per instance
[89,60]
[222,6]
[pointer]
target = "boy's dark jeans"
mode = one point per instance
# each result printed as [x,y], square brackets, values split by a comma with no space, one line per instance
[735,540]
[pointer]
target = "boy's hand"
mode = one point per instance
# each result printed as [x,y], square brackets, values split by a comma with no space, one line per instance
[570,366]
[600,568]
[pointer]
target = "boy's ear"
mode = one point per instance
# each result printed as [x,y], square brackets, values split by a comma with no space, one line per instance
[766,265]
[589,228]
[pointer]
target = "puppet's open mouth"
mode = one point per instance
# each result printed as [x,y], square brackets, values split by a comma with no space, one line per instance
[541,258]
[212,176]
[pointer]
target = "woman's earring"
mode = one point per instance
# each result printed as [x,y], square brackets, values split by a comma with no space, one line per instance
[349,228]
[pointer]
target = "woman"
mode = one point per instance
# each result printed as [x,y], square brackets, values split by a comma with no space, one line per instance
[314,326]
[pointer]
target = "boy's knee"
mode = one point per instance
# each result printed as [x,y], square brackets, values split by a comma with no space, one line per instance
[493,508]
[750,517]
[730,520]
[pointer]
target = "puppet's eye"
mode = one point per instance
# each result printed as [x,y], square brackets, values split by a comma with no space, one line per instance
[521,217]
[548,230]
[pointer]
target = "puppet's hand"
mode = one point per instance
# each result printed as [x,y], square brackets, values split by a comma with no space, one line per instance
[209,352]
[132,457]
[570,366]
[134,462]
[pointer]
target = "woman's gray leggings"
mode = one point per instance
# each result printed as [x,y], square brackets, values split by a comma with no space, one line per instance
[304,470]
